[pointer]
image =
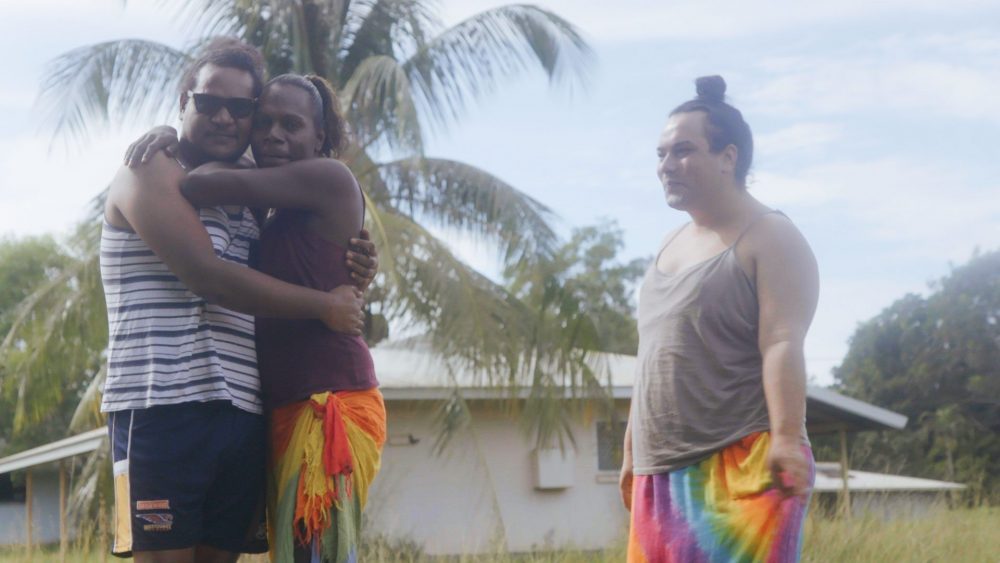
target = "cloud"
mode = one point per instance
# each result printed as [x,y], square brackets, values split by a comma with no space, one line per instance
[714,19]
[924,209]
[43,192]
[934,75]
[797,138]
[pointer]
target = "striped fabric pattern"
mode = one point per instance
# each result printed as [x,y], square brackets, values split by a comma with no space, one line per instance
[166,344]
[724,509]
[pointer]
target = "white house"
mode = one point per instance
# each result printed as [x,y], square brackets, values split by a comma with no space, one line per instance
[880,495]
[490,488]
[37,514]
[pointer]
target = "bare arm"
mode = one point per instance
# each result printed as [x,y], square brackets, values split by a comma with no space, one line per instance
[787,290]
[323,186]
[150,201]
[625,477]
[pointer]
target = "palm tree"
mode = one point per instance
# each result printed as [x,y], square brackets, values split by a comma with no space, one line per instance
[399,72]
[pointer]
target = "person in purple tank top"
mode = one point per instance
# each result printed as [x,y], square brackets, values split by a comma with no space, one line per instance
[326,416]
[717,465]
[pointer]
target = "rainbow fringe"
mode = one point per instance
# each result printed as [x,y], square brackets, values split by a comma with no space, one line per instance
[722,509]
[325,453]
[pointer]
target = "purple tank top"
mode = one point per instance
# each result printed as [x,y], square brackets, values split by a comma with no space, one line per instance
[298,358]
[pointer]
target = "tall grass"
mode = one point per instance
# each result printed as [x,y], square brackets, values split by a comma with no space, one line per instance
[971,535]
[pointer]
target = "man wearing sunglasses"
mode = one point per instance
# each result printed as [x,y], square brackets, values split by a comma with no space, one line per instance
[182,393]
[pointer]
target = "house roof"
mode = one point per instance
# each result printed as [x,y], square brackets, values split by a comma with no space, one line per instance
[416,373]
[54,451]
[828,411]
[828,480]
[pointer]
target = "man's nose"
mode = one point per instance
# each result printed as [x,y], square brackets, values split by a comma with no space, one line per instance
[667,164]
[273,135]
[661,166]
[223,116]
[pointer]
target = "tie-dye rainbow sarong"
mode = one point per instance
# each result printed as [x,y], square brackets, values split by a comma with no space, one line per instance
[721,509]
[324,454]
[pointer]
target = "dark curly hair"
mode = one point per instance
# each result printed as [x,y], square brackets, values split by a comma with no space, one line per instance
[327,114]
[725,123]
[229,53]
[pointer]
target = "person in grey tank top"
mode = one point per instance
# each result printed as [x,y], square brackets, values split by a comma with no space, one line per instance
[717,465]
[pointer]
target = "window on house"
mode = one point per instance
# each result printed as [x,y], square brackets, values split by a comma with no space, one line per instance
[610,439]
[10,491]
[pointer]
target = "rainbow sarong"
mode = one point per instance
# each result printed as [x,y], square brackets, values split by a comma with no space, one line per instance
[324,454]
[721,509]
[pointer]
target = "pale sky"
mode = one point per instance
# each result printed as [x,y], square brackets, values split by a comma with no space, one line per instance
[875,126]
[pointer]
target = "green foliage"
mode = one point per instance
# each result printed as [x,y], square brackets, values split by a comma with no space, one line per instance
[54,329]
[585,289]
[936,360]
[398,70]
[582,302]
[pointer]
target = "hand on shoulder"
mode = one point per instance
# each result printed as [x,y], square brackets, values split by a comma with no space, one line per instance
[159,170]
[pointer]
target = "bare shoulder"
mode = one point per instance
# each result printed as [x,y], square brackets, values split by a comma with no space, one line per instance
[335,175]
[160,170]
[148,186]
[671,235]
[774,232]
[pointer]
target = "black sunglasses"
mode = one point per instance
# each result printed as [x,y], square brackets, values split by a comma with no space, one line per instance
[208,104]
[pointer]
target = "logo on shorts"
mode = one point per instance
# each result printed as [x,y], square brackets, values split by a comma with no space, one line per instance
[158,522]
[152,504]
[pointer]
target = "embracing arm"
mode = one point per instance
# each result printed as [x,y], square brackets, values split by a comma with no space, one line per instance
[320,185]
[787,290]
[151,203]
[324,186]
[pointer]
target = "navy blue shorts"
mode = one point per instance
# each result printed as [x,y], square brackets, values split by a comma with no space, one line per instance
[187,475]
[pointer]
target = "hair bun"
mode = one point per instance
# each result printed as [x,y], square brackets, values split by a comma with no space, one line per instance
[711,88]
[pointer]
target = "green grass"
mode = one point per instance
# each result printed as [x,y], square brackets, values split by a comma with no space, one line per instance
[946,536]
[971,535]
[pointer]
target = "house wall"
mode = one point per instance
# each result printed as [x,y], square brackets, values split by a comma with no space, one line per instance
[479,495]
[45,512]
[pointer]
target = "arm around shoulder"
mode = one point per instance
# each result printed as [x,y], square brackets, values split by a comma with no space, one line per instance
[149,199]
[315,184]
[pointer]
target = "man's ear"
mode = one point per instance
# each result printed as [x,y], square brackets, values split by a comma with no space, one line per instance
[184,103]
[730,155]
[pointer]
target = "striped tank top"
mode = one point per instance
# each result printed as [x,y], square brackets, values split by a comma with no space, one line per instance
[167,345]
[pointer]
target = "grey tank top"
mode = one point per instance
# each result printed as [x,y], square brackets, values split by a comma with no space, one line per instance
[698,381]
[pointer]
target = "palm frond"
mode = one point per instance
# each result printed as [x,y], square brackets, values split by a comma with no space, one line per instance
[458,195]
[391,28]
[87,414]
[453,415]
[368,174]
[470,318]
[379,105]
[488,49]
[90,493]
[118,82]
[55,341]
[211,17]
